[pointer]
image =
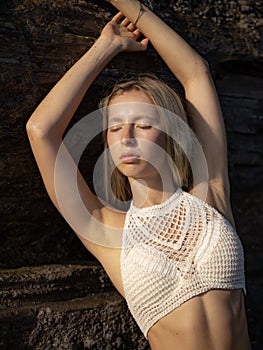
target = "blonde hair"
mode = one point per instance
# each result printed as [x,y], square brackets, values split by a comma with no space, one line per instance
[177,143]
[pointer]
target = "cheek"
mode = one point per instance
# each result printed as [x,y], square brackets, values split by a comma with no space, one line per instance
[114,137]
[154,149]
[113,148]
[159,139]
[112,142]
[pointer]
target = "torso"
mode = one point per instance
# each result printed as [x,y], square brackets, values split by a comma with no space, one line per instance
[213,320]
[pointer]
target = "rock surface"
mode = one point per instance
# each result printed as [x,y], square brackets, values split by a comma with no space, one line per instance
[40,40]
[64,307]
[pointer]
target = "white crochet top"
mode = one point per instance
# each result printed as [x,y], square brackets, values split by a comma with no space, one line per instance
[175,251]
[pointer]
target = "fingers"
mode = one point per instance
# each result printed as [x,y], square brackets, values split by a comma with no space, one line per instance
[127,23]
[117,17]
[131,27]
[144,44]
[123,21]
[137,32]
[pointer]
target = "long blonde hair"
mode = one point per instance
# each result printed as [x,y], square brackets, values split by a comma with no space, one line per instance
[165,97]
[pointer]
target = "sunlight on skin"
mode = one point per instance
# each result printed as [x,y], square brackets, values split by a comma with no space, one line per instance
[137,145]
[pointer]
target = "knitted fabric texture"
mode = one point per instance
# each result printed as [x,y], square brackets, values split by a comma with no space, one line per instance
[175,251]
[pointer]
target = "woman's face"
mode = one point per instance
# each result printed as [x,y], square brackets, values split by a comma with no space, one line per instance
[136,143]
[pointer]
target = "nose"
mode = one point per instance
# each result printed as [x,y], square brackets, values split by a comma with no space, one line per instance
[128,137]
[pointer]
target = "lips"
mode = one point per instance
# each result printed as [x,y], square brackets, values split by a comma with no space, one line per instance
[129,158]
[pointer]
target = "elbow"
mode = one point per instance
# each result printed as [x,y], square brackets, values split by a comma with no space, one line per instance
[34,130]
[201,72]
[203,67]
[200,66]
[205,64]
[30,127]
[37,130]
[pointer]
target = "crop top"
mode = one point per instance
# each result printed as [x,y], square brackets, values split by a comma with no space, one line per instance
[174,251]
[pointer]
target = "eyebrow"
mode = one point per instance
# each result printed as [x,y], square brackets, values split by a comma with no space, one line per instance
[114,119]
[134,119]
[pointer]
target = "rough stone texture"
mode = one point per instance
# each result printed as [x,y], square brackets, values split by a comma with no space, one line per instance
[40,40]
[64,307]
[51,282]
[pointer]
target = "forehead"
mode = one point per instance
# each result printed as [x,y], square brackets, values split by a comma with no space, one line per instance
[131,105]
[127,111]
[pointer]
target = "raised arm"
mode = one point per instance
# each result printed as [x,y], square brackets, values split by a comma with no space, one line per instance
[193,72]
[49,121]
[56,110]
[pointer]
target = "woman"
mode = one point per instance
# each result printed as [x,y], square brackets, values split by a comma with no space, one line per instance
[181,266]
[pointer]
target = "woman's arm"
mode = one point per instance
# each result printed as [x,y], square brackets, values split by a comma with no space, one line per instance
[193,72]
[49,121]
[56,110]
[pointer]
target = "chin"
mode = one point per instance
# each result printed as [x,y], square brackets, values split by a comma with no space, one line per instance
[129,171]
[136,171]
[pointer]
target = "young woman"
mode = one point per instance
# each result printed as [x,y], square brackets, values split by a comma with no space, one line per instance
[181,264]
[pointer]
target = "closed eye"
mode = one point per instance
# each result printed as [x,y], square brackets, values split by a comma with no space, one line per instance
[115,127]
[144,126]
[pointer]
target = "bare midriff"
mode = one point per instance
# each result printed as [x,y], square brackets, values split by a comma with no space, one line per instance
[214,320]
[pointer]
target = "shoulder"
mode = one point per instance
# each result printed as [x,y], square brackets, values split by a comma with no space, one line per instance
[103,233]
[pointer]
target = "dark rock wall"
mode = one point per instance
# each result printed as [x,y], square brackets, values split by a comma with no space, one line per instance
[40,40]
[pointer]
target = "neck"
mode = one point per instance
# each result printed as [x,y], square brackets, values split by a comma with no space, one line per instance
[148,192]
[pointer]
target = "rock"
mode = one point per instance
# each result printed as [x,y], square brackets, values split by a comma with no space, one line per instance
[40,40]
[64,307]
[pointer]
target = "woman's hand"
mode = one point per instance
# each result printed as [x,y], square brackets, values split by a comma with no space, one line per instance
[124,34]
